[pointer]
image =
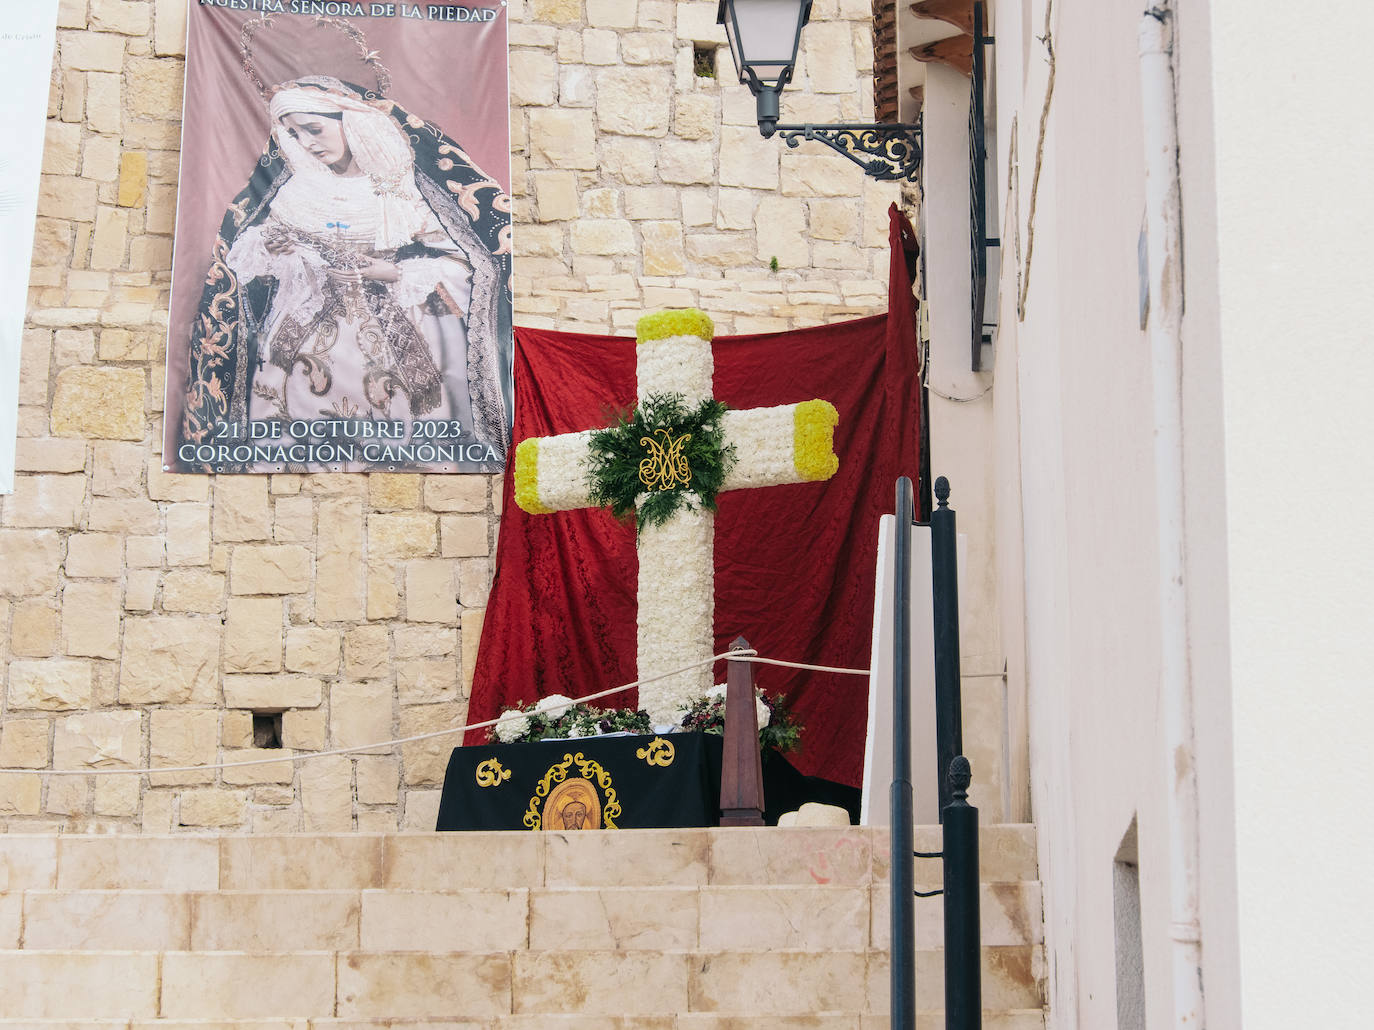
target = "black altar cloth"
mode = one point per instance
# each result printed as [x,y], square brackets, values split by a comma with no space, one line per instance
[612,783]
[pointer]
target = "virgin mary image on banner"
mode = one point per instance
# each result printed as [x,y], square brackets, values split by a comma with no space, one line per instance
[355,311]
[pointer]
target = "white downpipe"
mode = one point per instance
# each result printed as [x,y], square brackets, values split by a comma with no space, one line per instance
[1163,220]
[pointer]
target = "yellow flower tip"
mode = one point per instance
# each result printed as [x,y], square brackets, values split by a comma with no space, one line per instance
[813,440]
[684,322]
[527,477]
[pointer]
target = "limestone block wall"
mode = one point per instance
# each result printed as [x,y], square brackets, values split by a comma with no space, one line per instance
[144,617]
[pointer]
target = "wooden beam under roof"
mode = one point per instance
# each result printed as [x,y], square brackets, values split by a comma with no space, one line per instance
[955,52]
[958,13]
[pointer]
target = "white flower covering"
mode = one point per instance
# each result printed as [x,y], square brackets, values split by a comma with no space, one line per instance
[765,447]
[513,726]
[562,467]
[760,706]
[676,611]
[676,560]
[675,364]
[555,706]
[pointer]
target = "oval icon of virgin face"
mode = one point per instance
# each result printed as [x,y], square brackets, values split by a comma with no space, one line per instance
[573,805]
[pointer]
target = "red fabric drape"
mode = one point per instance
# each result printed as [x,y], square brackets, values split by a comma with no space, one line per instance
[794,564]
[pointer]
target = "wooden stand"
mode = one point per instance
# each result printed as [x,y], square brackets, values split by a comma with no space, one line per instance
[741,768]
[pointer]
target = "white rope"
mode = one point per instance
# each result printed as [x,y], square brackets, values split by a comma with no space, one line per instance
[743,655]
[752,657]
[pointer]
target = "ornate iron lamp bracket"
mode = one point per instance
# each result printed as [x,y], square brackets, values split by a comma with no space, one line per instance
[882,151]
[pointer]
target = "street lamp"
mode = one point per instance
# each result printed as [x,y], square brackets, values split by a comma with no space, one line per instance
[764,36]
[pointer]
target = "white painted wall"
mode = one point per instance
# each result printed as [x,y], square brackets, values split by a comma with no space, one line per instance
[961,406]
[1278,356]
[27,33]
[1207,505]
[1078,362]
[1293,152]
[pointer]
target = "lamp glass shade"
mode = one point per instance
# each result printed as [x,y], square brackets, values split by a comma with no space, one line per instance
[763,36]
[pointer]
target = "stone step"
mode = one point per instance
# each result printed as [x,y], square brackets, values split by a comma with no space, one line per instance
[477,986]
[710,929]
[753,917]
[1025,1019]
[852,856]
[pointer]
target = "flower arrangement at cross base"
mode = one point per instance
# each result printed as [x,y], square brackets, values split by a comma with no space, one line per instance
[560,718]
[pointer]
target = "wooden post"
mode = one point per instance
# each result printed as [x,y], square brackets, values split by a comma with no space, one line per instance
[741,765]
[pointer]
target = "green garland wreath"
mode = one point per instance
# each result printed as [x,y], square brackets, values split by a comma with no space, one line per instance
[618,453]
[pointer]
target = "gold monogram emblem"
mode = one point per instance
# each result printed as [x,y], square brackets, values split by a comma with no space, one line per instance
[666,465]
[491,774]
[657,752]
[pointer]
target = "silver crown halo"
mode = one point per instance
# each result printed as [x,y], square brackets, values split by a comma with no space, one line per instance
[359,63]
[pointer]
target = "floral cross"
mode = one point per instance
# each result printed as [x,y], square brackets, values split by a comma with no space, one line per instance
[791,443]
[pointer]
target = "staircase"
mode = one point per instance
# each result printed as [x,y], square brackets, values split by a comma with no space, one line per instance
[722,929]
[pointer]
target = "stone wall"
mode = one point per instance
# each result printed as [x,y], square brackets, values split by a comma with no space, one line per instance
[145,616]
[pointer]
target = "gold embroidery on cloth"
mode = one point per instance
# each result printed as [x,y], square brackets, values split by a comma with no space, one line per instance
[593,777]
[556,774]
[657,752]
[388,338]
[211,346]
[592,768]
[240,211]
[491,774]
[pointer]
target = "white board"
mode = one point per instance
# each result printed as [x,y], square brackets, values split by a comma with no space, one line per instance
[27,34]
[877,781]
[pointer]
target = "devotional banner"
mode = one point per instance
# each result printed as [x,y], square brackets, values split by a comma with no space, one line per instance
[341,280]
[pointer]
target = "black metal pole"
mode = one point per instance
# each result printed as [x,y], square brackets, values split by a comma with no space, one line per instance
[903,999]
[944,575]
[963,949]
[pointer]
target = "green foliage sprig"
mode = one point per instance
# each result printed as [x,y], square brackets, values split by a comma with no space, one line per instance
[783,733]
[571,722]
[706,714]
[616,454]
